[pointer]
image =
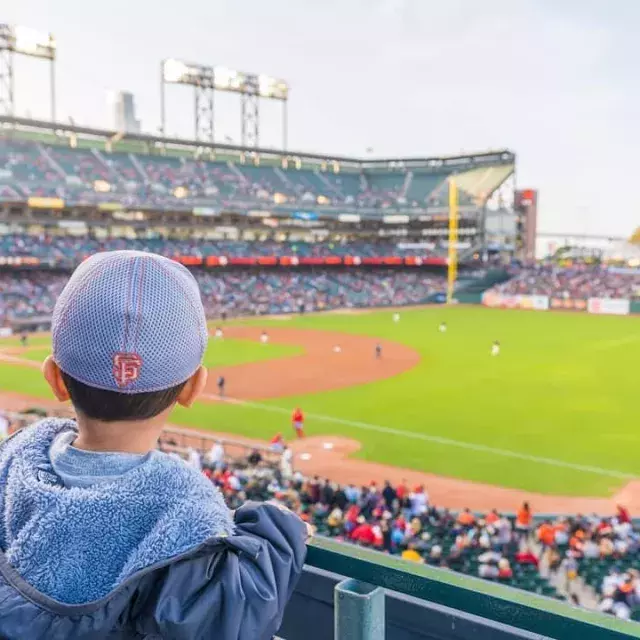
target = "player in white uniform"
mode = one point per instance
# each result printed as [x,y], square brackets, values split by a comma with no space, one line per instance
[264,337]
[495,348]
[337,349]
[396,317]
[443,327]
[218,333]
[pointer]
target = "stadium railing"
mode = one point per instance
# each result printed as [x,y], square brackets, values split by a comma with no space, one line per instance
[351,593]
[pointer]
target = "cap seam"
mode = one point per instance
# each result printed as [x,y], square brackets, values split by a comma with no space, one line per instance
[196,311]
[143,266]
[127,294]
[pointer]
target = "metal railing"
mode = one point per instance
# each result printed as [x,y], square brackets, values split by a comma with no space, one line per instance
[359,602]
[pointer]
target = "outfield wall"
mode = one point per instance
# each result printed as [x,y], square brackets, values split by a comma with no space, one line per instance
[609,306]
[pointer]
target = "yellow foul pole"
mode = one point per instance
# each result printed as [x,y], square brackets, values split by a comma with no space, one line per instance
[452,261]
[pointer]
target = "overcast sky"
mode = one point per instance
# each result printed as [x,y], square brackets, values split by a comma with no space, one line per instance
[554,80]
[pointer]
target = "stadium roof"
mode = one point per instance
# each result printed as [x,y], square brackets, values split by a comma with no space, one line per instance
[451,162]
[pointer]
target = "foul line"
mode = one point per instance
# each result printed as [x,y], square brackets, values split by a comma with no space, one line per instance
[505,453]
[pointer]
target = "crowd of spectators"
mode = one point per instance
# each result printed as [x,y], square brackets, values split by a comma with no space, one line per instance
[581,281]
[28,294]
[68,251]
[592,561]
[232,292]
[589,560]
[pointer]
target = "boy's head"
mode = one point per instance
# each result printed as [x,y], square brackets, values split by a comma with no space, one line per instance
[129,333]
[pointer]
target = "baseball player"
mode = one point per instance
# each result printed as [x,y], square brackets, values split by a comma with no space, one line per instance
[221,384]
[297,422]
[378,351]
[219,335]
[495,348]
[264,337]
[443,327]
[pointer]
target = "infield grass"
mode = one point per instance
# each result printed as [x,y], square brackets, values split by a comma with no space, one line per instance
[565,387]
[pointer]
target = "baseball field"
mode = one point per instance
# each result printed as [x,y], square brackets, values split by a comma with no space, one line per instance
[556,412]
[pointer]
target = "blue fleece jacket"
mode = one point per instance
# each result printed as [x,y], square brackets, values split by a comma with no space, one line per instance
[77,543]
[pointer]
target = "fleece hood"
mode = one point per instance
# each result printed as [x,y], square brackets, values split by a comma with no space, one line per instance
[77,544]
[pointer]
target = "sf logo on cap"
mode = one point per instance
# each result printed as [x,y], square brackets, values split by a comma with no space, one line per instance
[126,368]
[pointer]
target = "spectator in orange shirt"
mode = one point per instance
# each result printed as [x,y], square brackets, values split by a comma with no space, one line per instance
[492,517]
[576,543]
[546,534]
[297,421]
[466,518]
[524,518]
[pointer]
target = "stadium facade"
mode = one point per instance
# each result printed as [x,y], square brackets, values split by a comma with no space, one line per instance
[85,181]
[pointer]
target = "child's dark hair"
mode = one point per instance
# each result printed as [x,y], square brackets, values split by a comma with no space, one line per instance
[111,406]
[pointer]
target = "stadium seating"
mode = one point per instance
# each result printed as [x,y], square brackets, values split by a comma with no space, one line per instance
[422,186]
[584,555]
[81,173]
[578,282]
[34,293]
[346,184]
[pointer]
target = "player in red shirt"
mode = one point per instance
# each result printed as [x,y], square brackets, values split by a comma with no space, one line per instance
[297,421]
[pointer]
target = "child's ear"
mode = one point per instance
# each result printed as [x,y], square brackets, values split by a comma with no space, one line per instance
[194,387]
[52,375]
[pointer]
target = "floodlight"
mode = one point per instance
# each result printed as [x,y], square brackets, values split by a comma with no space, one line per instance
[17,40]
[175,71]
[208,79]
[33,43]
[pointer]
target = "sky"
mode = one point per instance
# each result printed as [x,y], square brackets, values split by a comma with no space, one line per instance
[553,80]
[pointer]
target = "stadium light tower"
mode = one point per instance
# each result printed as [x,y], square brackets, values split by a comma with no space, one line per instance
[206,80]
[19,40]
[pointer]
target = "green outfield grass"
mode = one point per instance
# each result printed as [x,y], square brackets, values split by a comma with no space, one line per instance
[564,393]
[222,353]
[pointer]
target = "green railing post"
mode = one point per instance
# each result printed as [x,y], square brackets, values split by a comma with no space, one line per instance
[359,611]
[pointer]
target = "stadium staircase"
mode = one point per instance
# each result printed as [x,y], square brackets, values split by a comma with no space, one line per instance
[406,185]
[330,186]
[55,165]
[285,180]
[138,165]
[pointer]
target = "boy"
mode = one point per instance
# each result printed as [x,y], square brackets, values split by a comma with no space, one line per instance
[100,534]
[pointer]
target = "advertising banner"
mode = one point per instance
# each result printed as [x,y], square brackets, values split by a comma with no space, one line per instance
[540,303]
[569,304]
[615,306]
[537,303]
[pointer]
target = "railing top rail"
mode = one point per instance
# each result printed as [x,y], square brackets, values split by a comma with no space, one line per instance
[211,438]
[520,609]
